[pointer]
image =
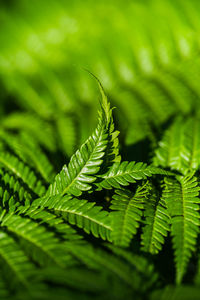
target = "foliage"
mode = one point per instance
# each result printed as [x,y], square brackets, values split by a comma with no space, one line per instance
[99,206]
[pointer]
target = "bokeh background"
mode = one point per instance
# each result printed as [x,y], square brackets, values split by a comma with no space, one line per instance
[145,53]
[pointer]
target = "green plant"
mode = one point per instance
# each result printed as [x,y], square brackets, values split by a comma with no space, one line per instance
[118,218]
[97,229]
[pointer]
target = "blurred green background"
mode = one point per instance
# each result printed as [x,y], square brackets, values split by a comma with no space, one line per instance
[145,53]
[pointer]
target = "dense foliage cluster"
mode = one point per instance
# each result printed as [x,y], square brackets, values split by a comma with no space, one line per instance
[99,205]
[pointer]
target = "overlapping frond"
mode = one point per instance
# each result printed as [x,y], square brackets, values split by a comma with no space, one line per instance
[125,173]
[156,223]
[100,259]
[151,73]
[112,149]
[181,197]
[84,164]
[86,215]
[38,128]
[55,223]
[141,265]
[15,263]
[128,210]
[39,243]
[12,191]
[66,127]
[179,147]
[23,172]
[27,149]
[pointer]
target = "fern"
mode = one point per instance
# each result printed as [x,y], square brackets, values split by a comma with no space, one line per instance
[67,131]
[15,262]
[39,129]
[55,223]
[77,177]
[40,244]
[127,214]
[156,224]
[28,150]
[86,212]
[85,215]
[112,149]
[179,148]
[181,197]
[140,264]
[99,258]
[125,173]
[22,172]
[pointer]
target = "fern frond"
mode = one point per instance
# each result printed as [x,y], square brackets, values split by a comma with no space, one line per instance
[54,222]
[38,159]
[112,149]
[22,171]
[84,164]
[127,214]
[13,189]
[36,240]
[30,98]
[156,224]
[15,264]
[26,148]
[125,173]
[38,128]
[144,267]
[6,194]
[171,152]
[84,214]
[77,277]
[99,259]
[66,127]
[181,197]
[179,147]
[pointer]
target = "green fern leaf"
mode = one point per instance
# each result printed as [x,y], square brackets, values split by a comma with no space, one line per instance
[179,147]
[27,149]
[125,173]
[140,264]
[38,128]
[13,189]
[66,127]
[36,240]
[54,222]
[84,214]
[99,259]
[84,164]
[127,214]
[112,149]
[181,197]
[14,262]
[156,224]
[22,172]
